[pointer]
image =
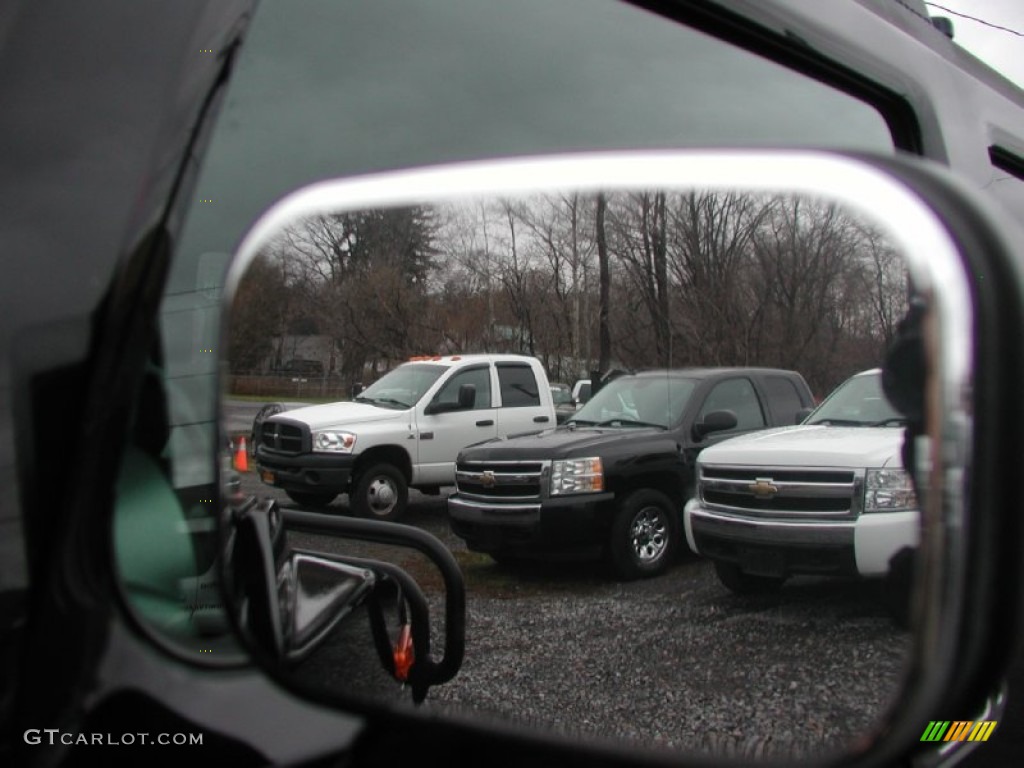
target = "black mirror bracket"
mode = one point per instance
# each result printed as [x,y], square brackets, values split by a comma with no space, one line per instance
[424,672]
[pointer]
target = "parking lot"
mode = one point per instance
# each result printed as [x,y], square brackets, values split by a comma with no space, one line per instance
[673,662]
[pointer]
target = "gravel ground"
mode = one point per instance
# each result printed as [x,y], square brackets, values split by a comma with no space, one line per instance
[674,662]
[678,669]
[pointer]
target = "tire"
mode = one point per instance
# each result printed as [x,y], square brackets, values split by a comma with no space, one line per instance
[380,493]
[645,535]
[741,583]
[898,588]
[311,498]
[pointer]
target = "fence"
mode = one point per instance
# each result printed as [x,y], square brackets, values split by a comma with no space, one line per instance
[290,387]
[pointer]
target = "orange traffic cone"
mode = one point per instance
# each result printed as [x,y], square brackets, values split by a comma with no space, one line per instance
[241,456]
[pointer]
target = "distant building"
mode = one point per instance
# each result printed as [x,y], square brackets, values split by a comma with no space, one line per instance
[308,355]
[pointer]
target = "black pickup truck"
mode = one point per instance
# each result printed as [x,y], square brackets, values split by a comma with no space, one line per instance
[612,480]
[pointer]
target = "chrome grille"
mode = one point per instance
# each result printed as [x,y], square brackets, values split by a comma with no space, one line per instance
[501,481]
[783,492]
[284,437]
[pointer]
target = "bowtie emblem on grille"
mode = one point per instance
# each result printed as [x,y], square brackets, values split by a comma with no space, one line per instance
[487,479]
[763,488]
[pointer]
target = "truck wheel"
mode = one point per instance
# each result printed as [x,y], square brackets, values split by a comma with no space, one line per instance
[742,583]
[645,535]
[311,498]
[897,587]
[380,493]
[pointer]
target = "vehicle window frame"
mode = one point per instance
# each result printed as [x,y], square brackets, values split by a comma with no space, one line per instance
[454,384]
[901,113]
[1006,160]
[499,367]
[701,413]
[783,415]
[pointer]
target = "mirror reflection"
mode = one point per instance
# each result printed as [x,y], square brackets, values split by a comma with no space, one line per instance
[649,427]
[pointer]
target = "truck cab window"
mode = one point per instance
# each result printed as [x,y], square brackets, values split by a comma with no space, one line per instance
[738,396]
[518,386]
[478,377]
[784,398]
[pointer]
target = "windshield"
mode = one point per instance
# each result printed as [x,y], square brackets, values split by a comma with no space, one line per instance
[631,401]
[402,387]
[858,402]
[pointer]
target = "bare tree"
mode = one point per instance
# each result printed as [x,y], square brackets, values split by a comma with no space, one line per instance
[363,276]
[263,308]
[639,227]
[808,257]
[604,327]
[711,257]
[696,278]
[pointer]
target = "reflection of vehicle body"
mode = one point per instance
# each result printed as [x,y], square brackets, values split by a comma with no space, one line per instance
[402,431]
[827,497]
[564,405]
[581,392]
[615,476]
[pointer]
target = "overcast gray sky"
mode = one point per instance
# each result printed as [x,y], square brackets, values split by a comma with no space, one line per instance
[1001,50]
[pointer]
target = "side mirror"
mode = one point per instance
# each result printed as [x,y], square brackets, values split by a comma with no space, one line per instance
[802,414]
[467,396]
[936,244]
[357,389]
[292,605]
[716,421]
[465,402]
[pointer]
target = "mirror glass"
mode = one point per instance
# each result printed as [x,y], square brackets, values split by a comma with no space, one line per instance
[378,327]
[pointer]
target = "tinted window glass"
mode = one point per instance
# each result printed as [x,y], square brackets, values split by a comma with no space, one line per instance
[478,377]
[784,398]
[738,396]
[518,386]
[1007,179]
[332,88]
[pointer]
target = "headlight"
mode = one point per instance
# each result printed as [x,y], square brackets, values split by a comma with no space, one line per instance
[888,490]
[577,476]
[333,442]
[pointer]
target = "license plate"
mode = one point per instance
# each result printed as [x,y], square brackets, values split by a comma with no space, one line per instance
[267,476]
[762,562]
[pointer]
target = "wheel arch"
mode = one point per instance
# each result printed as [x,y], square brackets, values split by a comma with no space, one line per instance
[666,483]
[388,454]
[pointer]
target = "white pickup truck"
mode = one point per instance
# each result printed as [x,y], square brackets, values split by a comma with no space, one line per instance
[827,497]
[403,431]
